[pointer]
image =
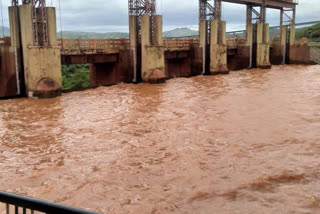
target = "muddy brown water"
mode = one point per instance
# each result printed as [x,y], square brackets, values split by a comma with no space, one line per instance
[242,143]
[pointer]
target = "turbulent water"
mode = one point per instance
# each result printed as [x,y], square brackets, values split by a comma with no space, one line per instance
[242,143]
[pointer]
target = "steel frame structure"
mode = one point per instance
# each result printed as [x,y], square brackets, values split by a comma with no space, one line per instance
[287,16]
[141,7]
[255,16]
[275,4]
[209,11]
[15,2]
[39,21]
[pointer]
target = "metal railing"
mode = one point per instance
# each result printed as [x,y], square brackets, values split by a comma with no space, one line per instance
[22,205]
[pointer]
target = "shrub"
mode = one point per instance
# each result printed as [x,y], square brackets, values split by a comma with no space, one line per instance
[75,77]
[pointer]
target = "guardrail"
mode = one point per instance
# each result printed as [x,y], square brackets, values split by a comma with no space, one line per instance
[19,203]
[235,42]
[180,43]
[92,44]
[87,46]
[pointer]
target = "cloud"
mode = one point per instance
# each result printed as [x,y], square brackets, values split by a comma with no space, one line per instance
[112,15]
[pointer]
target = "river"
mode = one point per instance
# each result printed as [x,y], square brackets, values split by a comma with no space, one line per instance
[242,143]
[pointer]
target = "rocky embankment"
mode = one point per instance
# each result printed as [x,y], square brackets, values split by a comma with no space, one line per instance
[315,54]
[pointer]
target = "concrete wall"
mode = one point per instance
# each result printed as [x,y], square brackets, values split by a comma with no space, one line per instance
[196,60]
[241,59]
[276,57]
[178,64]
[300,54]
[113,72]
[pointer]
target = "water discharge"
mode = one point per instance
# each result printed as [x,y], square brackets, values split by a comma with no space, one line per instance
[242,143]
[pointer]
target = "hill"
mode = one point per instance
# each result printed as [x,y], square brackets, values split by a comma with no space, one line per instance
[180,32]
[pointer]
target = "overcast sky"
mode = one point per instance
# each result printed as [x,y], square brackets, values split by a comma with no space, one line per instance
[112,15]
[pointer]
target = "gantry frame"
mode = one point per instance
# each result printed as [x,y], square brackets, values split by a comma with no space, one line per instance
[275,4]
[209,10]
[287,16]
[39,20]
[141,7]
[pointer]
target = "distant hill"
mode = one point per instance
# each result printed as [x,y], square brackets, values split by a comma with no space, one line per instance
[179,32]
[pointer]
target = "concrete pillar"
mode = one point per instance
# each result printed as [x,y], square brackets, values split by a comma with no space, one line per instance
[14,26]
[263,46]
[133,37]
[283,43]
[203,33]
[93,76]
[133,31]
[8,78]
[292,46]
[249,44]
[52,26]
[145,30]
[42,65]
[214,32]
[266,37]
[152,56]
[292,38]
[12,73]
[222,33]
[158,31]
[218,48]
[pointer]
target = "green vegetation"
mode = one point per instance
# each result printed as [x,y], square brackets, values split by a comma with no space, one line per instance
[75,77]
[312,33]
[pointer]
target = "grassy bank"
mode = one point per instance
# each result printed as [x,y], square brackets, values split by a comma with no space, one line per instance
[75,77]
